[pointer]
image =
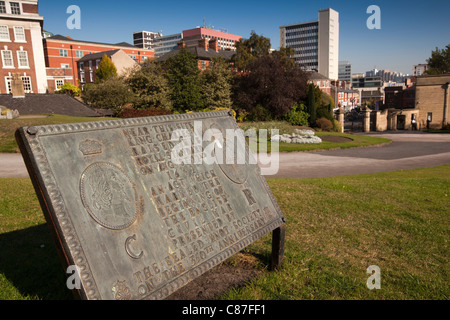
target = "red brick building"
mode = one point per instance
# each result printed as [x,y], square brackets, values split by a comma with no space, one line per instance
[62,54]
[224,40]
[22,52]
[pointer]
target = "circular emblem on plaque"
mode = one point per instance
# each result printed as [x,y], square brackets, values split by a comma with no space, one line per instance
[231,157]
[109,196]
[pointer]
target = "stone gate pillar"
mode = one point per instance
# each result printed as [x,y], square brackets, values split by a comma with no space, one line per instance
[366,121]
[341,118]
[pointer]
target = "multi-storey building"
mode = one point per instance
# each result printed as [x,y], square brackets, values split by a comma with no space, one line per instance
[225,41]
[145,39]
[316,43]
[22,53]
[165,44]
[345,71]
[62,54]
[419,70]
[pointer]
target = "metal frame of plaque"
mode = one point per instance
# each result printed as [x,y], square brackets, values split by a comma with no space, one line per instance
[136,225]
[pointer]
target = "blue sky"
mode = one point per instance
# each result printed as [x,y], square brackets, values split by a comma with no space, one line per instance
[410,30]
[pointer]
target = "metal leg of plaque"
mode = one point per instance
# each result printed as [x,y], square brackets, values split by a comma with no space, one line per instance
[277,247]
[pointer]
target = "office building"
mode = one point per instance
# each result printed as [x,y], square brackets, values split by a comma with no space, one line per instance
[165,44]
[225,41]
[316,43]
[145,39]
[345,71]
[22,53]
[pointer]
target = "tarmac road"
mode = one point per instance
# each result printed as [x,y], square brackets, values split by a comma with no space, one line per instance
[407,151]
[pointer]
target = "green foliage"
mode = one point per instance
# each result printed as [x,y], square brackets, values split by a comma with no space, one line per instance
[259,113]
[216,85]
[336,126]
[439,62]
[297,116]
[150,86]
[247,50]
[311,104]
[69,88]
[184,81]
[111,94]
[106,70]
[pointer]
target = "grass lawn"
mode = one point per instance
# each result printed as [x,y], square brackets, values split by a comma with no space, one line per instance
[353,140]
[8,128]
[336,228]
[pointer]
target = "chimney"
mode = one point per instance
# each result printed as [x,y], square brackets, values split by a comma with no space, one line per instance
[203,43]
[181,44]
[214,44]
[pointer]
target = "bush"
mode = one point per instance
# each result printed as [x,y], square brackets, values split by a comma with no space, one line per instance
[133,113]
[324,124]
[259,113]
[297,116]
[69,88]
[337,126]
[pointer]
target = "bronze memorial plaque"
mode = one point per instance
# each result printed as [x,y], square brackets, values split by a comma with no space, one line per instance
[137,207]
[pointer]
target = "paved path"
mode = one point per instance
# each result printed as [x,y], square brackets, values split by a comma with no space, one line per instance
[407,151]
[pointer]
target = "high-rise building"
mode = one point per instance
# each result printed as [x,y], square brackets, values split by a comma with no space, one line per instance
[22,53]
[345,71]
[316,43]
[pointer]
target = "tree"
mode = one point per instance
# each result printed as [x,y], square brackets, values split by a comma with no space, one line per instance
[439,62]
[247,50]
[216,85]
[106,69]
[183,75]
[311,104]
[112,94]
[271,83]
[150,86]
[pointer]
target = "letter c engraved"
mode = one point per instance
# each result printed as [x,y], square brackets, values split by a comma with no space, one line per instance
[129,251]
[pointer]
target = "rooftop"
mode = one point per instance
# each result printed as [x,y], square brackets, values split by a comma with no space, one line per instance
[48,104]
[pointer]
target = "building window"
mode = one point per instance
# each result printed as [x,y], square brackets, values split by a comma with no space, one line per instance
[81,66]
[2,7]
[22,58]
[19,34]
[90,65]
[82,77]
[7,58]
[97,63]
[26,84]
[59,83]
[4,33]
[65,66]
[63,52]
[15,8]
[79,54]
[91,75]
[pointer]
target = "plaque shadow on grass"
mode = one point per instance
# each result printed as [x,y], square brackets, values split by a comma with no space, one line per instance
[30,262]
[233,273]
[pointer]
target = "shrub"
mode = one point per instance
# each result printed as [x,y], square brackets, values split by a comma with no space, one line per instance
[69,88]
[324,124]
[337,126]
[297,116]
[133,113]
